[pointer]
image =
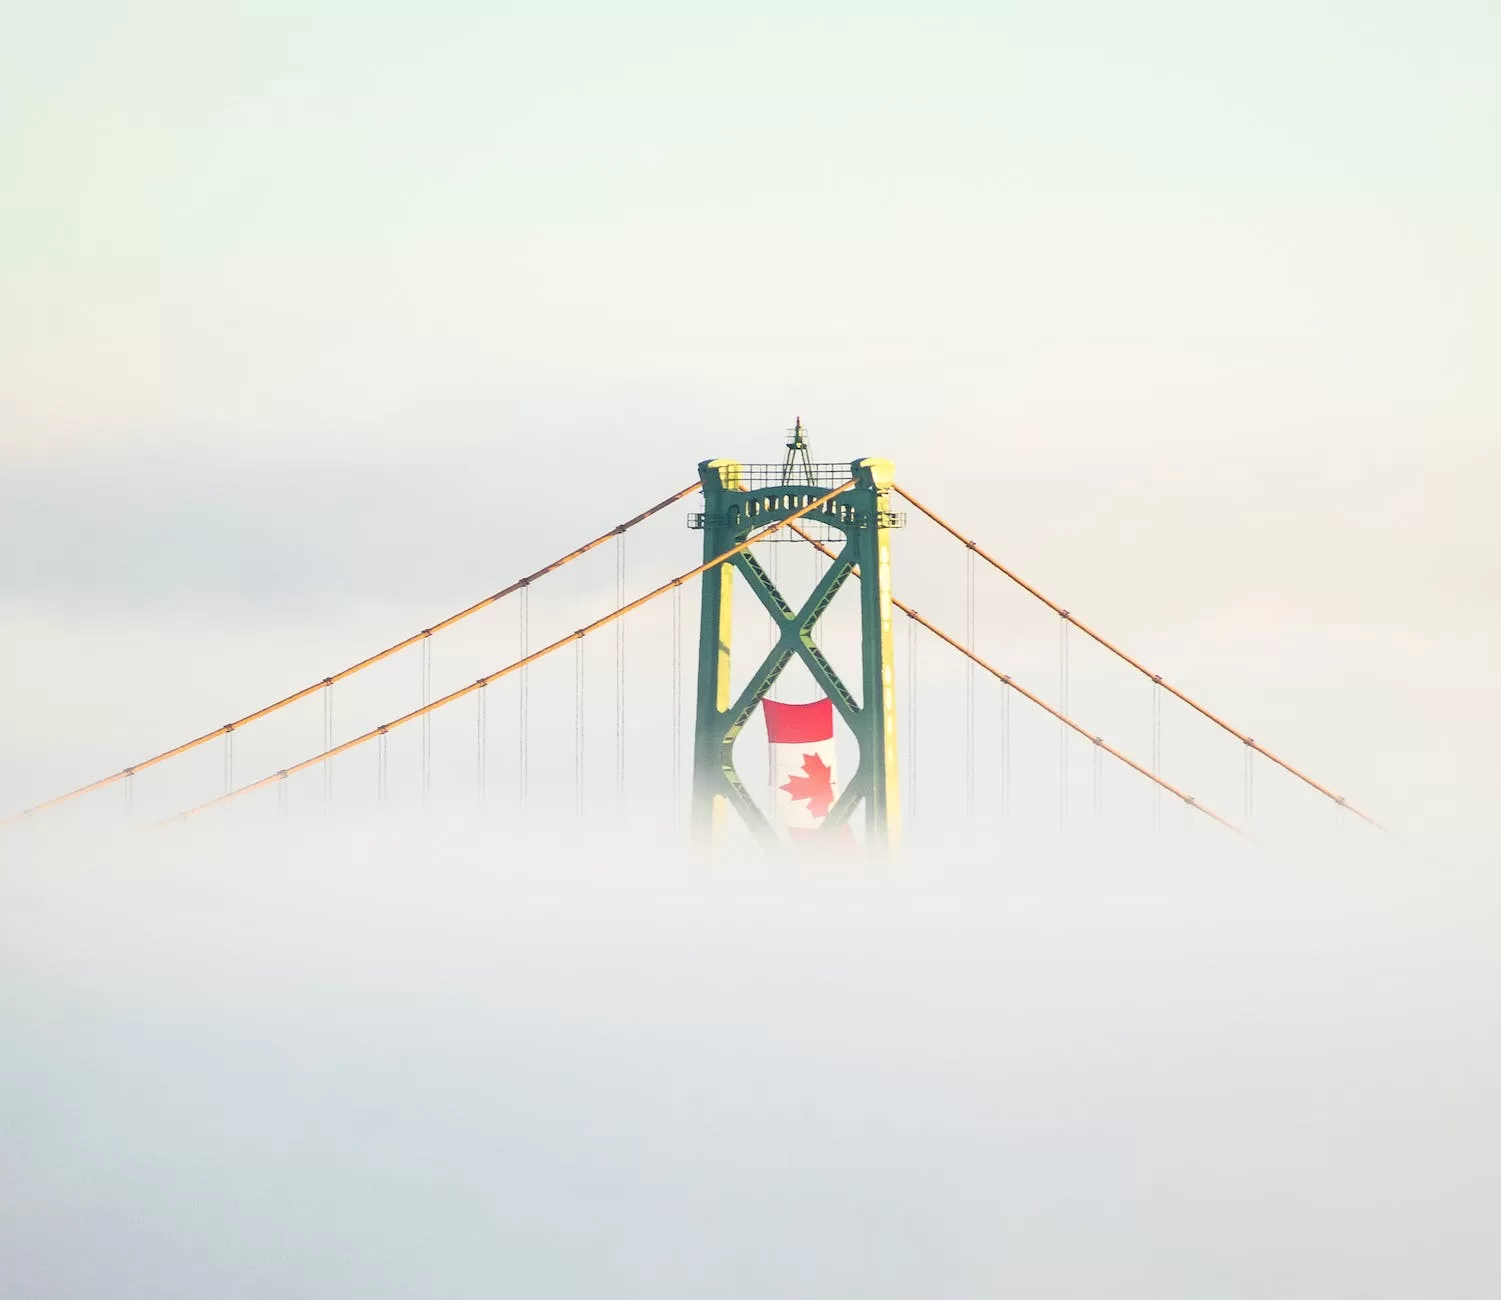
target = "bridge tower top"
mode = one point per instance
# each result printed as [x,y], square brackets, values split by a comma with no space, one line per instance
[739,500]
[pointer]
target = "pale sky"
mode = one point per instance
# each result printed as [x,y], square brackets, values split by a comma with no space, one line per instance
[320,320]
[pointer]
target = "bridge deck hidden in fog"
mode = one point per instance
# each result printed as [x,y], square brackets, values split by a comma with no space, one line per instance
[845,515]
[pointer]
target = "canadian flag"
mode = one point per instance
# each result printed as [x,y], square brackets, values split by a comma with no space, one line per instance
[801,737]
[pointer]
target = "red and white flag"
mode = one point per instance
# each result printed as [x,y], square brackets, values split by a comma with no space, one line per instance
[801,737]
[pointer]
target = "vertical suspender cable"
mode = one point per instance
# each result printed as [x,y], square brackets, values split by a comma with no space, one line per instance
[382,762]
[523,633]
[480,742]
[1156,752]
[772,634]
[1006,750]
[229,759]
[1099,777]
[969,686]
[619,675]
[776,581]
[328,741]
[1063,730]
[578,726]
[427,718]
[817,574]
[911,718]
[1250,754]
[677,702]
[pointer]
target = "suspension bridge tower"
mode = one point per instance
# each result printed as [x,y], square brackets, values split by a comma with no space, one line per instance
[850,505]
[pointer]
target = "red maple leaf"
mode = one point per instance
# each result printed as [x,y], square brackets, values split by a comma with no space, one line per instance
[816,785]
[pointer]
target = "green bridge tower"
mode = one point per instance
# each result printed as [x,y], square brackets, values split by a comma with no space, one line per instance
[739,500]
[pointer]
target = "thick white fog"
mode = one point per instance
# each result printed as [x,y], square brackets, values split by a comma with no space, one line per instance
[320,322]
[381,1060]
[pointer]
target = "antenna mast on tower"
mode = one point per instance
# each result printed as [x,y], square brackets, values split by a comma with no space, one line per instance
[797,464]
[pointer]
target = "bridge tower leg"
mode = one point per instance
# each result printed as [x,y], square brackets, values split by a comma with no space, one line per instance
[739,500]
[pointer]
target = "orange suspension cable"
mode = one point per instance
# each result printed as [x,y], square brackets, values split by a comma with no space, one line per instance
[1041,703]
[974,547]
[1067,721]
[519,585]
[521,663]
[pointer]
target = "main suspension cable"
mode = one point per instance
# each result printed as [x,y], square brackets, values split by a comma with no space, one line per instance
[815,504]
[1067,721]
[374,659]
[1126,658]
[1007,680]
